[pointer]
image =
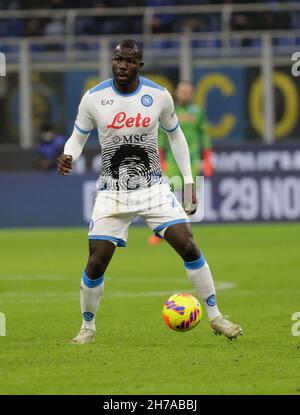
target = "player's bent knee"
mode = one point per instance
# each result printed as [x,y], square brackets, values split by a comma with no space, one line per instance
[96,266]
[190,251]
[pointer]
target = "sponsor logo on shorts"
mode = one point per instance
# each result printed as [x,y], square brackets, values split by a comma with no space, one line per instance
[211,300]
[147,100]
[91,225]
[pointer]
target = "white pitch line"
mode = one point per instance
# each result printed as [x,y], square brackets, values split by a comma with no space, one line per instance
[40,297]
[32,278]
[220,285]
[35,294]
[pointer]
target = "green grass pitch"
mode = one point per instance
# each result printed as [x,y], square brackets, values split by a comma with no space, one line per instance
[256,268]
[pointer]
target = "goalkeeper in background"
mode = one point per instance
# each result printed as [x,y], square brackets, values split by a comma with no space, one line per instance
[194,126]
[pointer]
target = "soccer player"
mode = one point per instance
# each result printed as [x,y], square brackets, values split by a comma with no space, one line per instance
[127,110]
[195,129]
[192,120]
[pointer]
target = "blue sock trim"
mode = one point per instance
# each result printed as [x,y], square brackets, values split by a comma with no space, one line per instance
[196,264]
[92,283]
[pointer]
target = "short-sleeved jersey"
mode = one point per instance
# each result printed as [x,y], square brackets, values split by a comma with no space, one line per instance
[127,127]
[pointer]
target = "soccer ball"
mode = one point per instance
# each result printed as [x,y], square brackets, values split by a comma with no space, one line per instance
[182,312]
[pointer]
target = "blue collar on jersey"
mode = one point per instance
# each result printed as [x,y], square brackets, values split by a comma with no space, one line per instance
[127,94]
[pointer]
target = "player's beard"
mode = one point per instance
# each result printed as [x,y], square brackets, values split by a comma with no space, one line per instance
[126,81]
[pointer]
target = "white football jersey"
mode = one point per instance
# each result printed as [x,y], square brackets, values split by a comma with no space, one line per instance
[127,125]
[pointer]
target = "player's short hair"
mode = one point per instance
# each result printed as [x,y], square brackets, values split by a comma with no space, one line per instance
[131,44]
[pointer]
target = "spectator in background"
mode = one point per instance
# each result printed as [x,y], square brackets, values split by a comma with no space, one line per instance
[55,27]
[33,27]
[49,147]
[111,25]
[161,23]
[271,19]
[59,4]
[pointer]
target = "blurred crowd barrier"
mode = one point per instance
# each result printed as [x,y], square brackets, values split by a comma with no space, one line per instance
[239,57]
[252,183]
[106,17]
[230,89]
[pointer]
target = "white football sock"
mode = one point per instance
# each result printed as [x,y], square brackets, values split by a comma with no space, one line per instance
[199,274]
[91,292]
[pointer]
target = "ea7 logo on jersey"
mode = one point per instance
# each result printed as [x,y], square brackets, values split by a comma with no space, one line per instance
[107,101]
[121,120]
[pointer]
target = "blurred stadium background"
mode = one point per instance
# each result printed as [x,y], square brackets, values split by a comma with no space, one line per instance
[237,54]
